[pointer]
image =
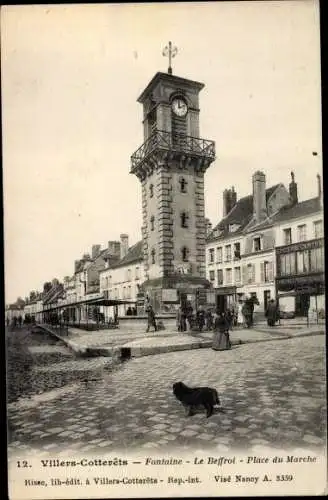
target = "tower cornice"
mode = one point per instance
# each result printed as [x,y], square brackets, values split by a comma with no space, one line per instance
[177,81]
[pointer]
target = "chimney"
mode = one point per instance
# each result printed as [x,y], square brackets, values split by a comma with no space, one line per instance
[225,202]
[95,251]
[259,196]
[124,244]
[114,248]
[293,190]
[233,197]
[320,194]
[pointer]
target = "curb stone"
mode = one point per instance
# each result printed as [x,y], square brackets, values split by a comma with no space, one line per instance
[136,352]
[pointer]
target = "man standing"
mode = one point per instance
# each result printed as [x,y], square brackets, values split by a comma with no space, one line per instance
[151,319]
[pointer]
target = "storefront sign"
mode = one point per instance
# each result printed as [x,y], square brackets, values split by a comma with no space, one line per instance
[169,295]
[303,245]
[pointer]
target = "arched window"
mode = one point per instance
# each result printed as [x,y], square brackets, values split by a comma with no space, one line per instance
[151,190]
[183,185]
[153,254]
[152,223]
[185,254]
[184,219]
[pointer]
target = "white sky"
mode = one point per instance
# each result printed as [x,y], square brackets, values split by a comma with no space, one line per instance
[70,79]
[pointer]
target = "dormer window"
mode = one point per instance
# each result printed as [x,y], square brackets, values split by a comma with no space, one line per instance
[151,190]
[152,223]
[184,219]
[185,254]
[183,185]
[257,247]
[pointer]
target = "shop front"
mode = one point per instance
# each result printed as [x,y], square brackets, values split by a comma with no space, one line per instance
[226,297]
[300,280]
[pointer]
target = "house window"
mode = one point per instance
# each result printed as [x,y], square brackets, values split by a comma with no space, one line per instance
[153,253]
[301,232]
[250,273]
[229,276]
[317,259]
[236,251]
[287,236]
[287,264]
[129,275]
[219,256]
[184,254]
[237,275]
[129,292]
[124,292]
[257,244]
[183,185]
[184,219]
[220,276]
[211,255]
[152,223]
[228,253]
[303,262]
[151,190]
[267,272]
[137,273]
[318,229]
[109,281]
[212,276]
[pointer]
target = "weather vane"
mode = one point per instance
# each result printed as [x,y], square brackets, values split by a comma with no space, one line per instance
[170,51]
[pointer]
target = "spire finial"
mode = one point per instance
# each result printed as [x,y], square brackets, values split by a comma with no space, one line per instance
[170,51]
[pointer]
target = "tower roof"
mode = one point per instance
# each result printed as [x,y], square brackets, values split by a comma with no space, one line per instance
[166,77]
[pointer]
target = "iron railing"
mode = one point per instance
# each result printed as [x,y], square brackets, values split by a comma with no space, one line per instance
[173,142]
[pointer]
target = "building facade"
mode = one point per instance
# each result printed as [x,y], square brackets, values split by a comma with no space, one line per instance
[242,250]
[122,280]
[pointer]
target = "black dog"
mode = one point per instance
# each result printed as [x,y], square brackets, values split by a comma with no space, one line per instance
[196,396]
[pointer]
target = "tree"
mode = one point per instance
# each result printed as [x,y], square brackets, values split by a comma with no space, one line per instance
[47,286]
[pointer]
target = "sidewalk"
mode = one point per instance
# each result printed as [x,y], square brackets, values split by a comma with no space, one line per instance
[122,343]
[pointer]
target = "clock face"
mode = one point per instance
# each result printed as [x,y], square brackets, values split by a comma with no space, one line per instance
[179,106]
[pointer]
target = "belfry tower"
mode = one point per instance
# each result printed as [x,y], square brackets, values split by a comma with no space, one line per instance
[170,165]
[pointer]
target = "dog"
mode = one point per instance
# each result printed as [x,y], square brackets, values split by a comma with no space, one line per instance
[192,397]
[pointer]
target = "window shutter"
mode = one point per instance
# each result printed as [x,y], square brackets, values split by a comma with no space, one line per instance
[270,271]
[244,275]
[253,273]
[262,272]
[248,245]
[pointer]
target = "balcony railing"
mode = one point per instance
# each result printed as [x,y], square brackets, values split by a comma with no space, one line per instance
[173,142]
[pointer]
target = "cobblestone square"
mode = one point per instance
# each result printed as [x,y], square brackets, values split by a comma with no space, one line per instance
[273,394]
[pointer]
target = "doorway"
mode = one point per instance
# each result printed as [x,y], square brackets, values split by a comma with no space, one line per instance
[266,298]
[221,303]
[302,304]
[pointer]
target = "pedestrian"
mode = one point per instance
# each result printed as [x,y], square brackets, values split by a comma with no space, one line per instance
[271,313]
[179,322]
[221,338]
[7,322]
[229,318]
[200,319]
[240,316]
[151,319]
[209,320]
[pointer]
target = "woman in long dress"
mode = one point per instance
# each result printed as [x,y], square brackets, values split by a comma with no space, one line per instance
[240,316]
[221,340]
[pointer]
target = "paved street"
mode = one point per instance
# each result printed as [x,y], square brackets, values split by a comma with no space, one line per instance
[273,394]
